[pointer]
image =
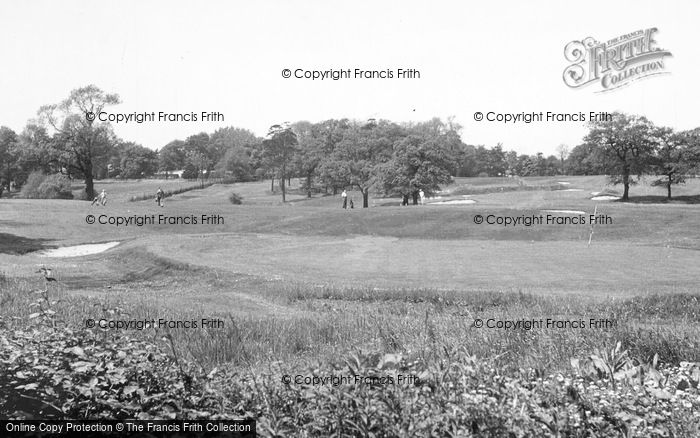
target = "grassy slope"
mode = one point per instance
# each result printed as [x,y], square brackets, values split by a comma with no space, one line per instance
[290,297]
[437,246]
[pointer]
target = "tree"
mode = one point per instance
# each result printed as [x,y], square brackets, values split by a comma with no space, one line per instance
[332,133]
[310,151]
[692,139]
[497,161]
[237,151]
[424,156]
[190,171]
[8,157]
[79,139]
[279,149]
[172,157]
[552,166]
[417,164]
[466,161]
[491,162]
[200,151]
[628,141]
[224,139]
[198,161]
[672,160]
[511,158]
[34,152]
[562,152]
[317,141]
[236,164]
[357,158]
[586,159]
[136,161]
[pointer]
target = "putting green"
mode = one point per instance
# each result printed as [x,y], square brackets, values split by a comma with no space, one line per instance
[556,267]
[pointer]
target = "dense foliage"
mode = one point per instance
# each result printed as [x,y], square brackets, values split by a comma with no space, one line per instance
[332,155]
[53,371]
[41,186]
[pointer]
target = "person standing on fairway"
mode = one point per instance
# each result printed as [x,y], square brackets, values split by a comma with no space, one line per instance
[101,198]
[159,197]
[345,199]
[422,196]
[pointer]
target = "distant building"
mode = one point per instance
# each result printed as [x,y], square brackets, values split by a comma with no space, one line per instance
[170,174]
[174,173]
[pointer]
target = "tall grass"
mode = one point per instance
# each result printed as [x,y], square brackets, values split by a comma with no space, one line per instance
[321,322]
[546,382]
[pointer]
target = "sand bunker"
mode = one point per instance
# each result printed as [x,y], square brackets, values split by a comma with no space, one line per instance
[595,193]
[563,182]
[455,202]
[605,198]
[565,211]
[78,250]
[570,190]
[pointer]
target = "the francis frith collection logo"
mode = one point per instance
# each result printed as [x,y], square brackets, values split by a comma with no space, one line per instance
[616,62]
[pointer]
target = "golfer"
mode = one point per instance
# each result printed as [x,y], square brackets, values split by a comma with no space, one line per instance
[159,197]
[101,198]
[422,196]
[345,199]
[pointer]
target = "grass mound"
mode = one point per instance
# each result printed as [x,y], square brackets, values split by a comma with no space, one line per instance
[142,265]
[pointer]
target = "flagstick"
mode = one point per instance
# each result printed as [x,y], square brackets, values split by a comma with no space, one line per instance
[590,236]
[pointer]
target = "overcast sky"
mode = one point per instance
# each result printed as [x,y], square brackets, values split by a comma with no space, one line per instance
[228,57]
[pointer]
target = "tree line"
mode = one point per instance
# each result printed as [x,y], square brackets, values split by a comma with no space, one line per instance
[397,159]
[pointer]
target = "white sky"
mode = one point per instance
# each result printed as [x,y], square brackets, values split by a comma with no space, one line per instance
[225,56]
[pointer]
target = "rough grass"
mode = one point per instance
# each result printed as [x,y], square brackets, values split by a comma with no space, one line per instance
[480,381]
[295,321]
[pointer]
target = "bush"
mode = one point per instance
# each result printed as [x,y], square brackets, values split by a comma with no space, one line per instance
[190,172]
[235,198]
[40,186]
[31,186]
[56,187]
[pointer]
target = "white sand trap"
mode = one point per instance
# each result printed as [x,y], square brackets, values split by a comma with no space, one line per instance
[455,202]
[565,211]
[595,193]
[570,190]
[78,250]
[563,182]
[605,198]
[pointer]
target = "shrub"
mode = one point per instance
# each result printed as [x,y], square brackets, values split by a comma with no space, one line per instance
[55,187]
[190,172]
[40,186]
[235,198]
[30,188]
